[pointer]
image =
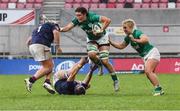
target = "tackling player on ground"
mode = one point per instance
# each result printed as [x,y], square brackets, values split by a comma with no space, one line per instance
[65,83]
[151,56]
[96,42]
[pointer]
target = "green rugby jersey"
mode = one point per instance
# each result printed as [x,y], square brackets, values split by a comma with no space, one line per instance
[87,25]
[142,49]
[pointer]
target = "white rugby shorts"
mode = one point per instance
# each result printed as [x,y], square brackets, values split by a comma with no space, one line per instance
[153,54]
[40,52]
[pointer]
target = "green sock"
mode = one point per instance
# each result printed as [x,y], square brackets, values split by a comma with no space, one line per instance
[114,76]
[158,88]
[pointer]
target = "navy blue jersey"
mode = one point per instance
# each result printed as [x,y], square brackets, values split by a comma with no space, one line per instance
[44,34]
[66,87]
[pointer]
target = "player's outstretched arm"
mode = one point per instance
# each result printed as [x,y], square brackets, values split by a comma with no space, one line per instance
[88,77]
[56,34]
[105,21]
[67,27]
[143,39]
[75,69]
[118,45]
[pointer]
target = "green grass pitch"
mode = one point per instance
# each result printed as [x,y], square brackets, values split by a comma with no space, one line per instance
[135,94]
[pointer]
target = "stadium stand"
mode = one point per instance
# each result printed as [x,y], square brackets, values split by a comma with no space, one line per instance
[20,4]
[123,4]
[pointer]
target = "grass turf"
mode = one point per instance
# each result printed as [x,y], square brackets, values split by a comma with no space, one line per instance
[135,94]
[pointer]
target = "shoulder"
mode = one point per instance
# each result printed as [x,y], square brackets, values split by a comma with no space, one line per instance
[93,16]
[91,13]
[126,38]
[75,21]
[47,24]
[137,31]
[71,83]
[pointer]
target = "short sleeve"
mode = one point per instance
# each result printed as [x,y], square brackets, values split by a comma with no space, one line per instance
[75,21]
[54,27]
[95,18]
[127,40]
[139,33]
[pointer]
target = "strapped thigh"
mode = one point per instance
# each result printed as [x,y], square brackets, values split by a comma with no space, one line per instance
[92,47]
[104,54]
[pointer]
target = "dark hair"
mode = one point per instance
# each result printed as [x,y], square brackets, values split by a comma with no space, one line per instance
[81,10]
[79,90]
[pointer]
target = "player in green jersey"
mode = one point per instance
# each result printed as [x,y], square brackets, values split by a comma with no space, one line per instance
[148,52]
[96,42]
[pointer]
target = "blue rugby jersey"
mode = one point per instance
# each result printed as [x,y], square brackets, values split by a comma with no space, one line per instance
[44,34]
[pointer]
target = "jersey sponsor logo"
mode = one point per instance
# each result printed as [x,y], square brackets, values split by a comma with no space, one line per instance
[66,65]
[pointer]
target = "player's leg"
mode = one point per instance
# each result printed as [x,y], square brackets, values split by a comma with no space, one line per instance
[46,69]
[42,54]
[151,61]
[92,49]
[104,48]
[104,55]
[149,71]
[150,66]
[47,83]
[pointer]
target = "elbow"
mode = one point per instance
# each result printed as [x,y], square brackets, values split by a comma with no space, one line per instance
[109,20]
[55,32]
[120,47]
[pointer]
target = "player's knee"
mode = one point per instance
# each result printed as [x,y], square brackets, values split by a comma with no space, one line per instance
[148,71]
[48,64]
[48,68]
[105,61]
[92,55]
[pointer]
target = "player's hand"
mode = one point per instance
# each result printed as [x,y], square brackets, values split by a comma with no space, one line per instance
[131,37]
[58,51]
[98,33]
[28,43]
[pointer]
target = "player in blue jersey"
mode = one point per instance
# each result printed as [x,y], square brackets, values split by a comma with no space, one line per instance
[65,83]
[39,46]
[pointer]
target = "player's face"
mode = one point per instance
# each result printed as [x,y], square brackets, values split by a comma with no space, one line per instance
[127,29]
[81,17]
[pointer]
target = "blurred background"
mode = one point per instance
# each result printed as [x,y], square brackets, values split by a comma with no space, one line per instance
[159,19]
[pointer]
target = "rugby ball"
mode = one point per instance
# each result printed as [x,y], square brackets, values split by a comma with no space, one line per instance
[96,27]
